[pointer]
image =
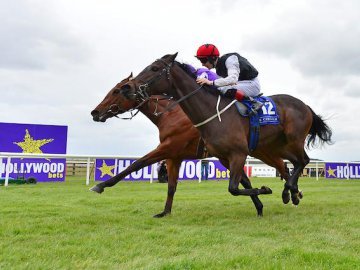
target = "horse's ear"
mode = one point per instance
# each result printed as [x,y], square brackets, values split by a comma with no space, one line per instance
[173,56]
[130,76]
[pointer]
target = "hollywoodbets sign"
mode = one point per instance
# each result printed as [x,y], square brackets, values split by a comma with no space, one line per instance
[36,139]
[342,170]
[189,170]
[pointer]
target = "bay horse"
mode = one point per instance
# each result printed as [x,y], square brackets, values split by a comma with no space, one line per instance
[179,139]
[228,139]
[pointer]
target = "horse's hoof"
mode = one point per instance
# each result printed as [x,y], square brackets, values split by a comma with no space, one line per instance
[97,189]
[285,196]
[163,214]
[295,199]
[300,194]
[266,190]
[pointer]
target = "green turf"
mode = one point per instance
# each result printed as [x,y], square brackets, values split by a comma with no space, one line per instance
[65,226]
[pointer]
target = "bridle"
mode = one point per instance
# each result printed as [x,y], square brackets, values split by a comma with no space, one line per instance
[142,93]
[114,109]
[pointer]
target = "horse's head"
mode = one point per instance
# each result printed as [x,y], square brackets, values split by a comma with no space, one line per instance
[117,101]
[155,78]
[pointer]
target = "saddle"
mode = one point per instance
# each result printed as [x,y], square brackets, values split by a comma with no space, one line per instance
[250,105]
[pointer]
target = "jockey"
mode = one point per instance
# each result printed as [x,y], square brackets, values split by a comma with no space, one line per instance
[239,79]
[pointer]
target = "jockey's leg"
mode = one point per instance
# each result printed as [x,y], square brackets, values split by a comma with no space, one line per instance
[242,90]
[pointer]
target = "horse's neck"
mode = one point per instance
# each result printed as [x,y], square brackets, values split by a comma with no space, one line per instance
[199,106]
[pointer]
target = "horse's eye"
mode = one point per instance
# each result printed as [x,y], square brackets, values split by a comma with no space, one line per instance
[154,69]
[126,87]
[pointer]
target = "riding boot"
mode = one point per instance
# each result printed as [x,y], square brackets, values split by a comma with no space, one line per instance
[239,95]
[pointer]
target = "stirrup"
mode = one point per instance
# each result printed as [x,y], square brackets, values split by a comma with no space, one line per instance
[255,108]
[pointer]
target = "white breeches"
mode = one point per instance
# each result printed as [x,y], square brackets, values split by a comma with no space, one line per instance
[251,88]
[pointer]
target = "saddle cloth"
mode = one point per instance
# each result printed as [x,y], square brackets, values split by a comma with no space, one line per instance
[267,114]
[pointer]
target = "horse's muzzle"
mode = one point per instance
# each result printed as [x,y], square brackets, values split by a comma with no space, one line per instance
[96,116]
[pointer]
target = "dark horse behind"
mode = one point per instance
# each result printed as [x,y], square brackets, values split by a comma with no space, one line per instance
[228,139]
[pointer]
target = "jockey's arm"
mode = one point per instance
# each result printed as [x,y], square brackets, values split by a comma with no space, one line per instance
[233,70]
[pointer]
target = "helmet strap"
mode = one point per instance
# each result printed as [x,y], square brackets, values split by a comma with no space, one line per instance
[212,60]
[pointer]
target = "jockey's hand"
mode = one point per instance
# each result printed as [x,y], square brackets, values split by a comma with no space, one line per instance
[204,81]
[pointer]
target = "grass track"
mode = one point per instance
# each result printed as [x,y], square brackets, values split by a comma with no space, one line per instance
[64,226]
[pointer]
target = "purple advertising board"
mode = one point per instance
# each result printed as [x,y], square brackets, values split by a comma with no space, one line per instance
[36,139]
[189,170]
[342,170]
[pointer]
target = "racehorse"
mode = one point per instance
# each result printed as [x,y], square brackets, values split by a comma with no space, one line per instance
[179,139]
[176,143]
[228,139]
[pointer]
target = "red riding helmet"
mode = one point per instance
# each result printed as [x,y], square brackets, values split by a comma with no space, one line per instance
[207,50]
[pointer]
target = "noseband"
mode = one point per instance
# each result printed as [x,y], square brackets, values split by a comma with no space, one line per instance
[114,109]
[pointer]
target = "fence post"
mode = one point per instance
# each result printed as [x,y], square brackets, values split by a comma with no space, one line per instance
[152,173]
[7,172]
[247,168]
[73,168]
[199,170]
[88,172]
[317,171]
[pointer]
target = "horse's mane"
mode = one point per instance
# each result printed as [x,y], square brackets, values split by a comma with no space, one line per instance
[189,70]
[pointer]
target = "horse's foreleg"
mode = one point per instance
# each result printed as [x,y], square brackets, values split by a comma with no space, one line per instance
[236,168]
[152,157]
[247,184]
[173,167]
[236,172]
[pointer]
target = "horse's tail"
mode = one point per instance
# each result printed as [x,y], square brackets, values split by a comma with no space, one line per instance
[320,129]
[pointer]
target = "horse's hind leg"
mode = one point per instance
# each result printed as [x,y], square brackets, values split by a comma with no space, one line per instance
[299,162]
[173,167]
[278,163]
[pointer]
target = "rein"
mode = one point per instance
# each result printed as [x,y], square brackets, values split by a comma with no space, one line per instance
[217,114]
[137,108]
[168,108]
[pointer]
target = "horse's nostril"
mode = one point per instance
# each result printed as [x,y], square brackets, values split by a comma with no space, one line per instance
[95,113]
